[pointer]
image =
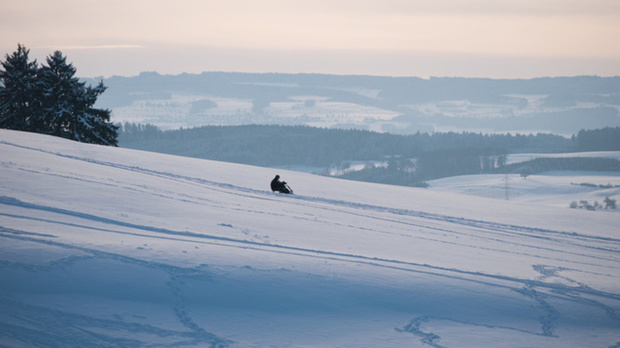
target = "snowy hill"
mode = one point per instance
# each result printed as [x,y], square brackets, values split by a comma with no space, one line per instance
[104,246]
[556,188]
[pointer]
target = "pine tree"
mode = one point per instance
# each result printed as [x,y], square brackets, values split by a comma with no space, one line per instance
[68,105]
[20,98]
[59,94]
[93,125]
[52,100]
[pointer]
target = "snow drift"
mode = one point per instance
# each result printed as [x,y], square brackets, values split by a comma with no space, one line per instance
[104,246]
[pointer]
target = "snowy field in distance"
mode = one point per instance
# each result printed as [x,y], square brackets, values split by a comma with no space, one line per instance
[104,246]
[559,188]
[175,112]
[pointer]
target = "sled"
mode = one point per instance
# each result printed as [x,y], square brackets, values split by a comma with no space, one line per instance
[286,189]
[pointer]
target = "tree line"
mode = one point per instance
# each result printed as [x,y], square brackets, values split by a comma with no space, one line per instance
[604,139]
[446,163]
[269,145]
[408,160]
[49,99]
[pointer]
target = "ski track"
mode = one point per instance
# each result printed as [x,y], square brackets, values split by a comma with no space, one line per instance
[230,189]
[240,243]
[426,220]
[88,334]
[66,329]
[538,290]
[535,290]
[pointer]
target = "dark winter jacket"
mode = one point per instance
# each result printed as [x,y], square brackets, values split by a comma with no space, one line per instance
[279,186]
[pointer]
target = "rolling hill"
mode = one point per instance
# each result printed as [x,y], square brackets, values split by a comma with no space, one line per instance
[400,105]
[104,246]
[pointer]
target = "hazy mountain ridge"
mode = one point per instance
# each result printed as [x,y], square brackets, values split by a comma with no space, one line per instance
[562,105]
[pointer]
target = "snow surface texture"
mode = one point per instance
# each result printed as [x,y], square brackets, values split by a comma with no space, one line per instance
[104,246]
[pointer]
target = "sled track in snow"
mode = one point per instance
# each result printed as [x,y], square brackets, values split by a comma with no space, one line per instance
[231,189]
[537,290]
[264,247]
[411,218]
[425,219]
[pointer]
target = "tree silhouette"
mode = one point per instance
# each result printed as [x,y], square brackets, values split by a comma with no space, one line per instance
[51,100]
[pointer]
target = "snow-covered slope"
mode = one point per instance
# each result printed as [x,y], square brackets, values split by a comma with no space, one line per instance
[557,188]
[104,246]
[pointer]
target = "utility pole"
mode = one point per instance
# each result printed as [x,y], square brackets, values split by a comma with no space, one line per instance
[506,187]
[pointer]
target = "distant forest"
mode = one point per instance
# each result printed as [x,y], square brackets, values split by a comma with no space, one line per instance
[411,159]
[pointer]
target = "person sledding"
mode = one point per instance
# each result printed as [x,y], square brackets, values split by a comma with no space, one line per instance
[280,186]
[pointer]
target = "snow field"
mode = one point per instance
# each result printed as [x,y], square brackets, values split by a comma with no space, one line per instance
[558,188]
[103,246]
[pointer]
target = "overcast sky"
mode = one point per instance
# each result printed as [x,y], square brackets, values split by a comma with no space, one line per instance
[469,38]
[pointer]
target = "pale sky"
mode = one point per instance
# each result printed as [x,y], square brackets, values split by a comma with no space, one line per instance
[468,38]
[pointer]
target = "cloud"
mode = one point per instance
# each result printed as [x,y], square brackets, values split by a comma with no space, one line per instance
[92,47]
